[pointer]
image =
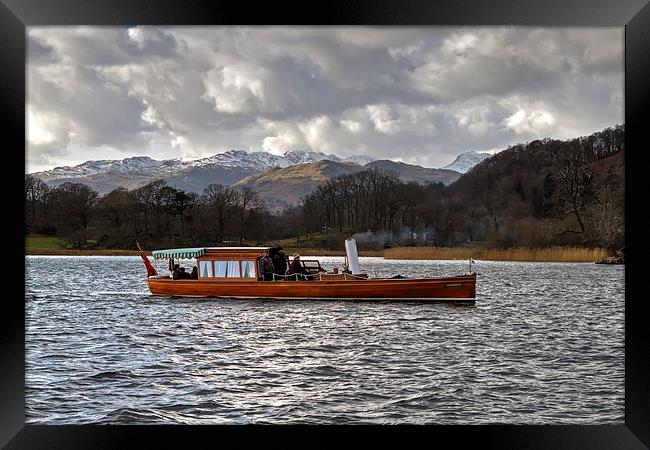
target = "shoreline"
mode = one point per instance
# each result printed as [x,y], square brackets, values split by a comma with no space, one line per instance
[72,252]
[119,252]
[459,254]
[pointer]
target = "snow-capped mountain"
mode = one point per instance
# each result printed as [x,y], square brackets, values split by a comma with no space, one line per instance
[193,175]
[136,165]
[465,161]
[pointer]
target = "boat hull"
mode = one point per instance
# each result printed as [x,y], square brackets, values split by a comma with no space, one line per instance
[456,288]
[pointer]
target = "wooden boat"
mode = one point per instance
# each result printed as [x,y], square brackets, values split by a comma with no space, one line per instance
[233,272]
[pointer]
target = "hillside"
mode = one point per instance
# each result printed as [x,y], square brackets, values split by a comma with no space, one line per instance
[519,194]
[279,187]
[409,172]
[285,186]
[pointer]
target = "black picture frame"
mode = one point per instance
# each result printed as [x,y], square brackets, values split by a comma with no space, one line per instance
[634,15]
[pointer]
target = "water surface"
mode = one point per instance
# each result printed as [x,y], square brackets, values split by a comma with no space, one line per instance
[544,344]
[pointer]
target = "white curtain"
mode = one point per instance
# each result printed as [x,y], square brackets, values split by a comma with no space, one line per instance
[205,268]
[220,268]
[248,269]
[233,269]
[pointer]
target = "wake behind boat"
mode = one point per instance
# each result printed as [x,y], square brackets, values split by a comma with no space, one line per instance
[241,272]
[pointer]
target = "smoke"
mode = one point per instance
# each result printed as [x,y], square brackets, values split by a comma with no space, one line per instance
[405,236]
[370,238]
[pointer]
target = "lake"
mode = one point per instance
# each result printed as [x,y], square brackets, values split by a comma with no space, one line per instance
[543,344]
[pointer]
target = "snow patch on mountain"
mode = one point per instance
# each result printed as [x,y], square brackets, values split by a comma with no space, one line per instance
[465,161]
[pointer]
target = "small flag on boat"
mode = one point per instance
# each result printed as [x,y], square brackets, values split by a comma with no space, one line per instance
[151,271]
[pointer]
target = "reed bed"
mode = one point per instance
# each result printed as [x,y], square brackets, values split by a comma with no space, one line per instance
[555,254]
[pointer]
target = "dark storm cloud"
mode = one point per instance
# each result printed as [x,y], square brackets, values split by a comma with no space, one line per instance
[422,95]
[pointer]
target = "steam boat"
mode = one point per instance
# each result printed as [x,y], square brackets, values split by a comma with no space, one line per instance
[234,272]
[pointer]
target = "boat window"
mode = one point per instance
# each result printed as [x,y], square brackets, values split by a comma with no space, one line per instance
[233,269]
[205,268]
[248,269]
[220,268]
[311,264]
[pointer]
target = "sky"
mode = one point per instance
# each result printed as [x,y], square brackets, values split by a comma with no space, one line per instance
[420,95]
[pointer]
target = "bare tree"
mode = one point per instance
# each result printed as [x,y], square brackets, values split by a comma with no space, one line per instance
[220,198]
[574,177]
[243,199]
[74,202]
[36,197]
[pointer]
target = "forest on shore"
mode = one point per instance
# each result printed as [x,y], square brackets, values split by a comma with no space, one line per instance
[539,194]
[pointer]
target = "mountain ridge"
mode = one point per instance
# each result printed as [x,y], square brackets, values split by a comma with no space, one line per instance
[224,168]
[228,168]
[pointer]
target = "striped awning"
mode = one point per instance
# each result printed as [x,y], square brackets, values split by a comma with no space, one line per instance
[178,253]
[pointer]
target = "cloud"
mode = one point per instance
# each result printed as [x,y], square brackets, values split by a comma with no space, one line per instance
[235,90]
[418,94]
[530,122]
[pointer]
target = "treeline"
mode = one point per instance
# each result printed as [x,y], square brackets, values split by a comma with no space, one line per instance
[547,192]
[374,200]
[543,193]
[155,214]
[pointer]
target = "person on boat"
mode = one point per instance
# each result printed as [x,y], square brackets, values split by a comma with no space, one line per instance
[195,273]
[183,275]
[176,273]
[296,268]
[280,263]
[266,267]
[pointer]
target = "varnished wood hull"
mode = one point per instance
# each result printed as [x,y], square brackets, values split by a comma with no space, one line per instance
[456,288]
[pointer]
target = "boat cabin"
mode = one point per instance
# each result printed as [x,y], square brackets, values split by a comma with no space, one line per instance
[228,263]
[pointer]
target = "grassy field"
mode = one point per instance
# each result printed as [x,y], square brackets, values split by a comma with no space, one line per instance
[50,245]
[316,240]
[42,242]
[558,254]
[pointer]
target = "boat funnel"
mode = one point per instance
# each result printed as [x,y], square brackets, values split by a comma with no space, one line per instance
[353,257]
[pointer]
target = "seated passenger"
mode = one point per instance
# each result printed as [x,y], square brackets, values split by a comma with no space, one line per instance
[176,273]
[183,275]
[195,273]
[296,268]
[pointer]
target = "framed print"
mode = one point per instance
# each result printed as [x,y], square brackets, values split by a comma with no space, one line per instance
[440,136]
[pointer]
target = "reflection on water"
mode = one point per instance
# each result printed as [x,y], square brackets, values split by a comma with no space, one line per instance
[544,343]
